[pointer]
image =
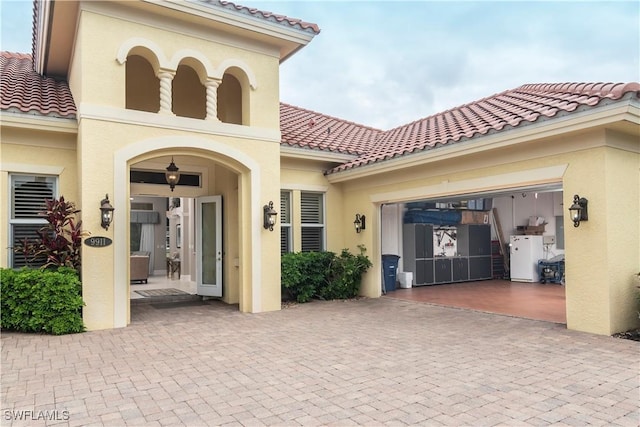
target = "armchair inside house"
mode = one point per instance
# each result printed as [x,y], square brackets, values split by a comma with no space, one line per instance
[139,265]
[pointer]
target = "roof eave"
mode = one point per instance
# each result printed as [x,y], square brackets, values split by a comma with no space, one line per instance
[628,110]
[298,36]
[319,155]
[39,122]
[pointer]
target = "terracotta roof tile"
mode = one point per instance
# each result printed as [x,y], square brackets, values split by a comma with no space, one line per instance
[268,16]
[309,129]
[24,90]
[505,110]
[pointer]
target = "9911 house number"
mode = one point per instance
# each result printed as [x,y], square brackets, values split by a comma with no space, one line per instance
[98,241]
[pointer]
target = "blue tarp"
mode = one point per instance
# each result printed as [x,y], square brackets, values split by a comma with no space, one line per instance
[432,217]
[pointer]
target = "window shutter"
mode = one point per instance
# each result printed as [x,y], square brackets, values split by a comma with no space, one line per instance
[285,211]
[21,232]
[285,222]
[285,240]
[312,239]
[311,208]
[28,196]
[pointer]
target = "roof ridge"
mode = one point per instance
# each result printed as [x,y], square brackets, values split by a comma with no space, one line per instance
[603,89]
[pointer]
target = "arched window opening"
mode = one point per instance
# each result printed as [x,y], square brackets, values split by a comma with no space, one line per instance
[230,100]
[142,86]
[189,94]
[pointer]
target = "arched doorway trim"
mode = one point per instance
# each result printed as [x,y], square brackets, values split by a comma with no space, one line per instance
[217,151]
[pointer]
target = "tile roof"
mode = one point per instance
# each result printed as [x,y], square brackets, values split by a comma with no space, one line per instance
[268,16]
[309,129]
[24,90]
[502,111]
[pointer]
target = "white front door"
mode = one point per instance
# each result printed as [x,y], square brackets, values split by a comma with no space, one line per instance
[209,245]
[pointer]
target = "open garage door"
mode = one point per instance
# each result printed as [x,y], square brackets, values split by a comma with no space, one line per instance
[459,250]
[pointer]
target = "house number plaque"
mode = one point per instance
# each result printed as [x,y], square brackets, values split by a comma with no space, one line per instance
[98,241]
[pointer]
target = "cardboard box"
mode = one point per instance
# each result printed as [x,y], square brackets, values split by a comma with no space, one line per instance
[474,217]
[534,230]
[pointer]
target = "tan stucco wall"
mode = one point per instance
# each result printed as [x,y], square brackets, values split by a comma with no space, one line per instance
[101,139]
[303,175]
[601,255]
[98,83]
[100,37]
[33,152]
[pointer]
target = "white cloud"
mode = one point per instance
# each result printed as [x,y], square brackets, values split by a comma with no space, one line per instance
[428,57]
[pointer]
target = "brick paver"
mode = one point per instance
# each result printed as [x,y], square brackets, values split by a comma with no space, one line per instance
[365,362]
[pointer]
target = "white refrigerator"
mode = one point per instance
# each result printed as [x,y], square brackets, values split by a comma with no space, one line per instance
[525,252]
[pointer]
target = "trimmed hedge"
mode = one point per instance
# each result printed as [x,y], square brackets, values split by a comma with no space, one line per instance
[323,275]
[47,301]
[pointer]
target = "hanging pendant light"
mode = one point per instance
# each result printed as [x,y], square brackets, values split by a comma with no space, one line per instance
[172,174]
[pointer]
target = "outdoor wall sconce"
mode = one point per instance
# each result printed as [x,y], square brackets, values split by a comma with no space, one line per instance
[578,210]
[269,216]
[106,212]
[360,223]
[172,174]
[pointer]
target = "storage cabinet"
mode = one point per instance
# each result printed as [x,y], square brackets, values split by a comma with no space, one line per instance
[480,268]
[460,269]
[417,251]
[442,267]
[473,260]
[422,271]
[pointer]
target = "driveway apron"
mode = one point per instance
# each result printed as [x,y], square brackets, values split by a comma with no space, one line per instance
[336,363]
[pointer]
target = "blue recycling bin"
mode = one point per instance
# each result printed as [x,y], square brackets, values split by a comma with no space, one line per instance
[390,269]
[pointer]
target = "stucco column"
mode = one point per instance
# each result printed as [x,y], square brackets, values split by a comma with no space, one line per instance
[166,78]
[212,98]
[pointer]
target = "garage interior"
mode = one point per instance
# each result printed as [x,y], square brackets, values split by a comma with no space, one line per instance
[500,252]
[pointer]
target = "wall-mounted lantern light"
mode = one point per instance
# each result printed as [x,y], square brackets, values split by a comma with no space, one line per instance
[360,223]
[578,210]
[172,174]
[269,216]
[106,212]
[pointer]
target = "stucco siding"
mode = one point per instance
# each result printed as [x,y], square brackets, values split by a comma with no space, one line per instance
[30,152]
[623,236]
[100,38]
[305,175]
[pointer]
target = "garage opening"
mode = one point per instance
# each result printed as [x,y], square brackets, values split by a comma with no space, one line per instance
[499,252]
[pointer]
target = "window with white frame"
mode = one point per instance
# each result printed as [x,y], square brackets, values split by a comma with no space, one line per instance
[286,238]
[28,195]
[312,221]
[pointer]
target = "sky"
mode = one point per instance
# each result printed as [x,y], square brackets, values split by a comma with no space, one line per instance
[387,63]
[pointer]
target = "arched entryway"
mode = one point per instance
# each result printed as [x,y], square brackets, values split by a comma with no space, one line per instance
[226,171]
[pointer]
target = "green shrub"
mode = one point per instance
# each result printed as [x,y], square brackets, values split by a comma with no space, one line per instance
[41,301]
[322,275]
[303,273]
[345,275]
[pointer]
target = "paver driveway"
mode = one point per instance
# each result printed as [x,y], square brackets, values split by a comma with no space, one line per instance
[365,362]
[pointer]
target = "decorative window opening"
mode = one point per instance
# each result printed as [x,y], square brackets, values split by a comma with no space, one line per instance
[142,86]
[189,94]
[230,101]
